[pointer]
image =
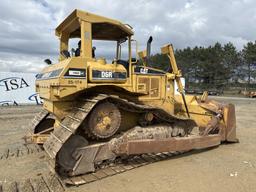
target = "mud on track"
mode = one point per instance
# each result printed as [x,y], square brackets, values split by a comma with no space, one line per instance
[226,168]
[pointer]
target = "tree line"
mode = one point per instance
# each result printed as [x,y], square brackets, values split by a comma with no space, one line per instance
[214,67]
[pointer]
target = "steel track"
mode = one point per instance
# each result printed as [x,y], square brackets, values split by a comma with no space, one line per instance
[71,123]
[37,119]
[118,166]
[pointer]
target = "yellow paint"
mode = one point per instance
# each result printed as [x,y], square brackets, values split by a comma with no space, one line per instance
[155,89]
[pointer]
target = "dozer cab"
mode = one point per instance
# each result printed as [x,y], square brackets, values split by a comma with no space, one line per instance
[95,110]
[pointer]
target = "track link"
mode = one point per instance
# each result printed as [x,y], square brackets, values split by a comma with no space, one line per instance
[37,119]
[118,166]
[71,123]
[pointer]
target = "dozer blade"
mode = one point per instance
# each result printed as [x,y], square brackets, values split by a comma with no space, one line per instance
[212,116]
[228,114]
[230,122]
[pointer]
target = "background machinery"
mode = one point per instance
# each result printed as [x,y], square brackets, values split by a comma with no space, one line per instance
[95,110]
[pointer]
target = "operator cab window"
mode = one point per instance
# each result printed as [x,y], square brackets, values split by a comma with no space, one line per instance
[105,49]
[123,54]
[75,47]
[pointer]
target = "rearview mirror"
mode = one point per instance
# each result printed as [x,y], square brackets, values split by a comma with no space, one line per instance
[65,53]
[73,51]
[48,61]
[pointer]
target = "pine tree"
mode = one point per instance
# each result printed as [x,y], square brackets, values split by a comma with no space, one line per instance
[249,61]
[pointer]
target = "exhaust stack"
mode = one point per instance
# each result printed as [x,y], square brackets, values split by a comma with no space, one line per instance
[149,48]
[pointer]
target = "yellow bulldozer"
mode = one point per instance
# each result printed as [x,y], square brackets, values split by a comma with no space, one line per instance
[95,110]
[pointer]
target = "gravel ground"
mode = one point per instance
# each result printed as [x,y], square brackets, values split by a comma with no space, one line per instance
[230,167]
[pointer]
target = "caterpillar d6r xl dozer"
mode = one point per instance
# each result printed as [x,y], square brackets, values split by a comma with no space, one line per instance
[97,111]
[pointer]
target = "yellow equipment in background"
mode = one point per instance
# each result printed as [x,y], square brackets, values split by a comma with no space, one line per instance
[96,109]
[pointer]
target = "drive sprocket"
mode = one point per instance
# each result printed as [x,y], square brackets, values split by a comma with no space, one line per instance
[104,120]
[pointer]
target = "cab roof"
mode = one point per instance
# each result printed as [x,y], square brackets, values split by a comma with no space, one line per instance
[102,28]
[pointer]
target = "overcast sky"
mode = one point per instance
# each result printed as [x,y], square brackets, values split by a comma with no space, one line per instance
[27,34]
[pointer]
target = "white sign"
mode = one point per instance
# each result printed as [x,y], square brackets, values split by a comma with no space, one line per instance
[75,73]
[17,89]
